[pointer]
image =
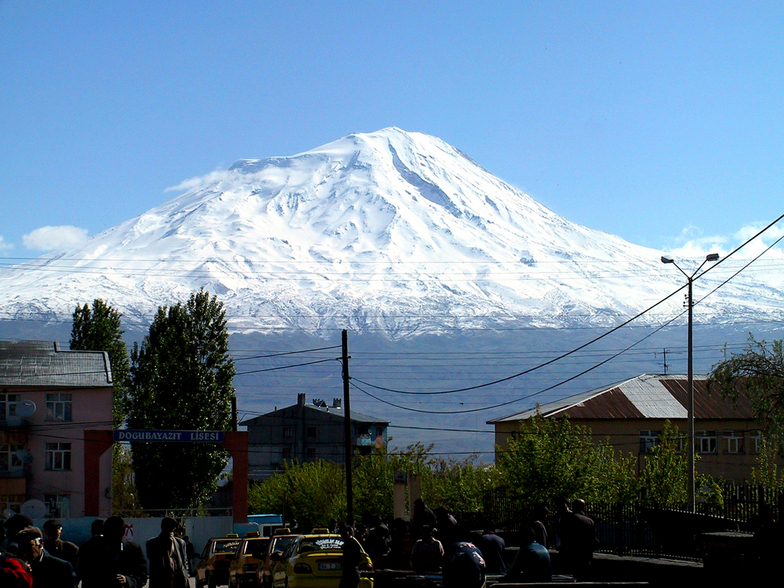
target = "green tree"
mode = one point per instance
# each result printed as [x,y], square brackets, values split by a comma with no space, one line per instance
[181,378]
[553,457]
[99,328]
[758,372]
[665,471]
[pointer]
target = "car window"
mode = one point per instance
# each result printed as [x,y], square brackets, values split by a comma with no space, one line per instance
[281,543]
[226,545]
[256,547]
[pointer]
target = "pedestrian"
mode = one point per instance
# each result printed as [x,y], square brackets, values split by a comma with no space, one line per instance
[492,547]
[168,558]
[464,566]
[378,541]
[48,571]
[541,514]
[14,572]
[55,546]
[352,557]
[110,561]
[427,554]
[579,539]
[532,562]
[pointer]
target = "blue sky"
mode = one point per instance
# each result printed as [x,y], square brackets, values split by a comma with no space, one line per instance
[659,121]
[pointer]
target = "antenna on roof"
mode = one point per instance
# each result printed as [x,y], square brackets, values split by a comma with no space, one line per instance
[664,353]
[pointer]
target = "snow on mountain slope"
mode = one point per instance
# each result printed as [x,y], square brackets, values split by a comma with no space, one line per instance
[392,231]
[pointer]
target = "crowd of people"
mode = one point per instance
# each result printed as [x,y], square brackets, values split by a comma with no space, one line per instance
[31,557]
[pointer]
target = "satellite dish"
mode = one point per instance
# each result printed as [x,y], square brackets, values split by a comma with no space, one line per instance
[8,513]
[24,456]
[35,509]
[26,408]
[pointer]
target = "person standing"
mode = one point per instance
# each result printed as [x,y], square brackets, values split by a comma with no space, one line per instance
[55,546]
[110,561]
[427,554]
[579,540]
[168,558]
[352,557]
[48,571]
[532,562]
[492,547]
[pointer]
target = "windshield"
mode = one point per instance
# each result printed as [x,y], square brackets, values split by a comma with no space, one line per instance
[308,544]
[226,545]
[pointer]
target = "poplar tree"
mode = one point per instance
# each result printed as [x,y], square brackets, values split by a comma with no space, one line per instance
[99,328]
[181,379]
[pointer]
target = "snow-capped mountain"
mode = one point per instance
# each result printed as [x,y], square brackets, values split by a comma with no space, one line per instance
[388,231]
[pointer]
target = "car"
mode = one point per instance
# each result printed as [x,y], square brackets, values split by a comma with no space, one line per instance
[279,541]
[315,561]
[213,567]
[250,553]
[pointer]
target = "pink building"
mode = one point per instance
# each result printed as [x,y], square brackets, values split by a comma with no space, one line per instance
[48,397]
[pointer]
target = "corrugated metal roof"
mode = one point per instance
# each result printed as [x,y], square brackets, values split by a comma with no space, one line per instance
[646,396]
[39,363]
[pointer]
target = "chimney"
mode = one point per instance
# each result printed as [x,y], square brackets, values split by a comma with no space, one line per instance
[336,403]
[301,399]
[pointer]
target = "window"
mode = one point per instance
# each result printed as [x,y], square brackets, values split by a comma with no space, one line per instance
[8,404]
[288,432]
[58,407]
[9,457]
[311,452]
[707,442]
[648,439]
[311,431]
[58,456]
[734,442]
[11,502]
[58,506]
[754,440]
[287,453]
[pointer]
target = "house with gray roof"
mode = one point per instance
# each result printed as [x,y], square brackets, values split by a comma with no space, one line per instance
[308,432]
[632,413]
[48,397]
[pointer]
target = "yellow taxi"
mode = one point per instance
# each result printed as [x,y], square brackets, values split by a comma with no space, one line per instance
[279,541]
[314,561]
[213,567]
[250,553]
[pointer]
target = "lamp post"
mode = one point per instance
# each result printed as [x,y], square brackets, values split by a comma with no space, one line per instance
[690,377]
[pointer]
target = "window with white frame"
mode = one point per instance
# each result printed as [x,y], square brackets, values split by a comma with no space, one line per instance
[707,442]
[288,432]
[58,406]
[734,440]
[648,440]
[9,457]
[58,456]
[58,506]
[11,502]
[754,442]
[8,404]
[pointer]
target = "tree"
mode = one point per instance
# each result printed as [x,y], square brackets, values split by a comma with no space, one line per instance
[665,471]
[181,379]
[551,457]
[99,328]
[759,372]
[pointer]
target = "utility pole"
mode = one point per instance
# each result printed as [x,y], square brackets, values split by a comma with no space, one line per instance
[347,424]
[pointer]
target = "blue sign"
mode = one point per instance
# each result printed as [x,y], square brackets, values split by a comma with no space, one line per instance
[169,436]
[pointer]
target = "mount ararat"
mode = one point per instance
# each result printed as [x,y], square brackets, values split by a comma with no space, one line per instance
[391,232]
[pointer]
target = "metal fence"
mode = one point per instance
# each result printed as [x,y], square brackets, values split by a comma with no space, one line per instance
[648,530]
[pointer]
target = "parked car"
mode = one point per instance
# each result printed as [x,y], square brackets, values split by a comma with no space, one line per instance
[213,567]
[250,554]
[315,561]
[279,541]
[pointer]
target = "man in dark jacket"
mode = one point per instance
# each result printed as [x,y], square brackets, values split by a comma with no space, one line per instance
[47,570]
[110,561]
[168,558]
[55,546]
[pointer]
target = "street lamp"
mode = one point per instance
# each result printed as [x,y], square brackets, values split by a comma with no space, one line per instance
[690,377]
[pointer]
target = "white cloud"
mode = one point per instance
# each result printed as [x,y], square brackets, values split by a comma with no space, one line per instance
[55,238]
[692,243]
[5,246]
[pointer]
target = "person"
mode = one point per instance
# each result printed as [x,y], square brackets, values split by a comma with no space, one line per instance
[46,570]
[532,562]
[423,515]
[168,558]
[464,566]
[12,526]
[378,541]
[14,573]
[190,553]
[492,547]
[446,526]
[427,554]
[110,561]
[579,540]
[352,557]
[55,546]
[541,514]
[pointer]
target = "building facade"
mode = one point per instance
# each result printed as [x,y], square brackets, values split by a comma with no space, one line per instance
[308,432]
[631,414]
[48,397]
